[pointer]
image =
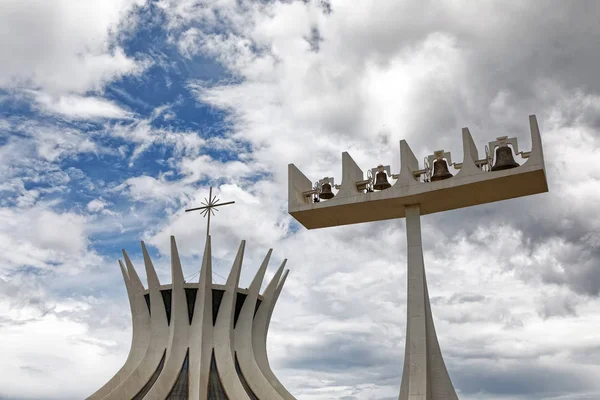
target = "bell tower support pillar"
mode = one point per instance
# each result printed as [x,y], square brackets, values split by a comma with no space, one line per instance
[424,376]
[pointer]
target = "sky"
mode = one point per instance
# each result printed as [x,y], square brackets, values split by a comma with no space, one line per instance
[116,115]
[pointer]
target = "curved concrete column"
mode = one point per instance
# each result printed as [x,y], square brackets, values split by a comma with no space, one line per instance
[260,329]
[259,384]
[201,337]
[140,320]
[159,335]
[179,329]
[224,333]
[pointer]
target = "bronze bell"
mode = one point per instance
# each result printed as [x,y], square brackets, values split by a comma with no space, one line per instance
[440,170]
[381,182]
[326,192]
[504,159]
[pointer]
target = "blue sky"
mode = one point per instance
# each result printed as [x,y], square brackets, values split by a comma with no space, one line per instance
[115,116]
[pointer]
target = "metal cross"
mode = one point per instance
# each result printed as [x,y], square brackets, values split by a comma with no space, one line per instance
[209,207]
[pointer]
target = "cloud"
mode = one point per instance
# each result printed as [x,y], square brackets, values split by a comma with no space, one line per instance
[32,144]
[144,135]
[79,107]
[149,189]
[45,365]
[28,238]
[63,46]
[96,205]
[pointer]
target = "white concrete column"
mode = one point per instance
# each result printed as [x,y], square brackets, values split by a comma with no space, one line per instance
[260,329]
[424,376]
[416,334]
[224,333]
[254,377]
[179,329]
[201,337]
[159,335]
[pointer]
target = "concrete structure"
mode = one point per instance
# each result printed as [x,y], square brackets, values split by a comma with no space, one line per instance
[424,376]
[200,340]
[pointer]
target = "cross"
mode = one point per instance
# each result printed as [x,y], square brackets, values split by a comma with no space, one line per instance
[208,207]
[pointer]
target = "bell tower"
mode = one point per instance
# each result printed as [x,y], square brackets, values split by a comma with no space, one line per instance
[497,176]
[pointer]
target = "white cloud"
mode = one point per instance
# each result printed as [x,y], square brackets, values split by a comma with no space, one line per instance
[79,107]
[63,46]
[48,345]
[144,135]
[28,237]
[149,189]
[205,166]
[97,205]
[31,143]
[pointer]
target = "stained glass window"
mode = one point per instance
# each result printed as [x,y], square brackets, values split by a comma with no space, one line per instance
[217,296]
[239,302]
[147,298]
[215,388]
[190,295]
[243,380]
[153,379]
[166,295]
[180,390]
[258,301]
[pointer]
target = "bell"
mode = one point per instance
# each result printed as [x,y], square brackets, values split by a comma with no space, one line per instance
[504,159]
[381,182]
[440,170]
[326,192]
